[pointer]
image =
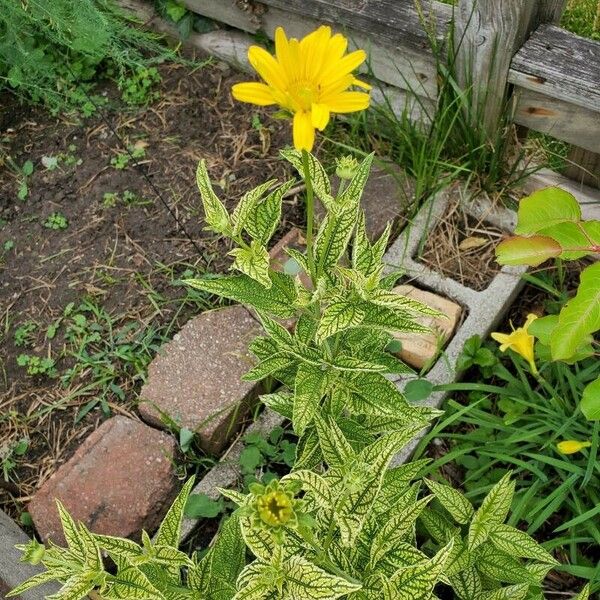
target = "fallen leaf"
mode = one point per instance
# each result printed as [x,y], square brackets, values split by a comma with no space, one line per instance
[472,242]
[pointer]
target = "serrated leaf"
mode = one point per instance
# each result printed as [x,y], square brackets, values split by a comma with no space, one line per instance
[278,300]
[76,587]
[333,236]
[318,176]
[438,525]
[546,207]
[335,447]
[215,213]
[267,367]
[72,536]
[38,579]
[417,581]
[580,317]
[531,251]
[247,204]
[169,531]
[500,566]
[515,542]
[395,530]
[280,402]
[398,301]
[263,220]
[452,500]
[305,580]
[388,319]
[307,396]
[315,485]
[353,191]
[338,316]
[116,546]
[93,557]
[130,583]
[255,582]
[375,395]
[254,262]
[492,512]
[511,592]
[467,584]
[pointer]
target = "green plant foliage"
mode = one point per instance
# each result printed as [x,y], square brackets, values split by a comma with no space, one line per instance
[518,421]
[50,52]
[550,225]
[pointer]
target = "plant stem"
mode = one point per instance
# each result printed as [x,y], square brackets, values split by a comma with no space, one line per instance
[310,215]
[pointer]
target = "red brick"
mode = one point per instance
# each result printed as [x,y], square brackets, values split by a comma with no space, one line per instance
[119,481]
[196,378]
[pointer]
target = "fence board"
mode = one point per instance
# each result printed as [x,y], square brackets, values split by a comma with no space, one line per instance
[559,64]
[563,120]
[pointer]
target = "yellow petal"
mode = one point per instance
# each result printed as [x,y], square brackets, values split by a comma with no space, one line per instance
[282,50]
[313,49]
[347,102]
[363,84]
[572,446]
[335,50]
[267,67]
[335,86]
[344,65]
[304,132]
[253,93]
[319,116]
[530,319]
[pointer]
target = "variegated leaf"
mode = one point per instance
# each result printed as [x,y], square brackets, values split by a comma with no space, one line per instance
[169,531]
[452,500]
[247,204]
[338,316]
[262,221]
[254,262]
[500,566]
[518,543]
[512,592]
[71,532]
[76,587]
[118,546]
[318,176]
[255,581]
[308,393]
[217,217]
[314,485]
[467,584]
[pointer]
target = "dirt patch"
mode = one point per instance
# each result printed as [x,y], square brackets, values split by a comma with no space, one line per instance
[91,260]
[463,248]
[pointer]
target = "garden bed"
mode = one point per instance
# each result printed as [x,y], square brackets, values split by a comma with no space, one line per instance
[98,297]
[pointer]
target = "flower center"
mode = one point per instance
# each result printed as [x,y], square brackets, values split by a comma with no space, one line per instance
[275,508]
[303,94]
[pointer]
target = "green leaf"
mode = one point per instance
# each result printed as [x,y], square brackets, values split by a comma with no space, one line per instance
[273,364]
[278,300]
[38,579]
[247,205]
[339,315]
[452,500]
[418,389]
[334,445]
[575,239]
[307,396]
[202,506]
[255,582]
[467,584]
[169,531]
[305,580]
[531,251]
[518,543]
[254,262]
[131,583]
[312,483]
[375,395]
[217,217]
[584,594]
[500,566]
[333,236]
[590,401]
[280,402]
[492,512]
[511,592]
[262,222]
[71,532]
[27,168]
[76,587]
[580,317]
[318,176]
[116,546]
[546,207]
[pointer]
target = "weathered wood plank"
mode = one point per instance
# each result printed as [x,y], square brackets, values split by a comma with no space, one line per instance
[392,21]
[560,64]
[563,120]
[401,66]
[583,167]
[488,33]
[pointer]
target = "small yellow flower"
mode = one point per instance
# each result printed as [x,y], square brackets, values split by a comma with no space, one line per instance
[309,78]
[572,446]
[520,341]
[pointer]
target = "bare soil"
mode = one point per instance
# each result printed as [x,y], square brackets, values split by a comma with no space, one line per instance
[122,257]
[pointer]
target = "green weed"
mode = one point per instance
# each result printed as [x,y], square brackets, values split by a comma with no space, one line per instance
[56,221]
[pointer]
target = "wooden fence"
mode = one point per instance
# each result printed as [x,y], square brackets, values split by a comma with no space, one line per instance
[508,49]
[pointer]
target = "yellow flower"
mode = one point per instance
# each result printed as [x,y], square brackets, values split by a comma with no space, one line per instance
[520,341]
[310,78]
[572,446]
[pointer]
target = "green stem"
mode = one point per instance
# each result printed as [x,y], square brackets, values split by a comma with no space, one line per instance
[310,215]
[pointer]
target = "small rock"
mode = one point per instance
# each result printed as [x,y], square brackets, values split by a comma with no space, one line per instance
[196,378]
[419,349]
[119,481]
